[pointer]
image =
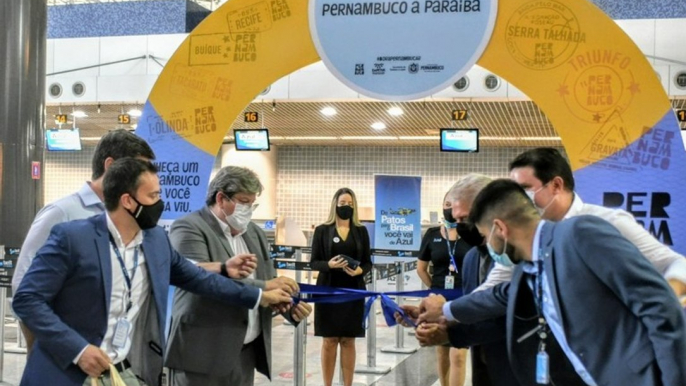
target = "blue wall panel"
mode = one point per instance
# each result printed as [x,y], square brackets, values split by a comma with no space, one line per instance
[123,18]
[643,9]
[181,16]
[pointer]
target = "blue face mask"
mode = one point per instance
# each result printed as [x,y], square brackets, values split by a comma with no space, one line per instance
[500,258]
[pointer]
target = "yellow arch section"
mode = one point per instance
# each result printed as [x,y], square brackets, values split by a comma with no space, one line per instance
[586,74]
[244,46]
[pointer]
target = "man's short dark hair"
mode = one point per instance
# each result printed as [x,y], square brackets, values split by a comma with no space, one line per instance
[547,164]
[118,144]
[123,176]
[503,199]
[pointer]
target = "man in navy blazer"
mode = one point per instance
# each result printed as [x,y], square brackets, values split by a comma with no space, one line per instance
[87,306]
[598,309]
[490,365]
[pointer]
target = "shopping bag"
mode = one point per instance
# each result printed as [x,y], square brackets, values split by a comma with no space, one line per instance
[114,377]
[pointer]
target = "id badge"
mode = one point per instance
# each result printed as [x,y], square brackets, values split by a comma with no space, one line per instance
[542,368]
[449,282]
[121,333]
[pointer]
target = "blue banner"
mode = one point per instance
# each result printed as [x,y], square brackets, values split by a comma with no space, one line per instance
[397,210]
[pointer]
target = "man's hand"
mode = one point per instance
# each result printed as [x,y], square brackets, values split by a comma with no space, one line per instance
[285,283]
[337,262]
[432,334]
[301,311]
[94,361]
[411,312]
[353,272]
[241,266]
[277,298]
[431,308]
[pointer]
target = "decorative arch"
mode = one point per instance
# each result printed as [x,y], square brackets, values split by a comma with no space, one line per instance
[586,74]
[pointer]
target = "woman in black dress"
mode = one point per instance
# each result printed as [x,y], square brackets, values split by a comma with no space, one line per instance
[445,250]
[340,324]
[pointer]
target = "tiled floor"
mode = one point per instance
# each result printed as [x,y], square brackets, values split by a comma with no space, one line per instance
[418,369]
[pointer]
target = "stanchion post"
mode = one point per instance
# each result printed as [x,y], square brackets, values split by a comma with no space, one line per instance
[298,275]
[3,300]
[298,258]
[399,337]
[299,343]
[371,368]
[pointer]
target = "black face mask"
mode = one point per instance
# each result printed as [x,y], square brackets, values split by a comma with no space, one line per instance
[448,215]
[147,216]
[470,234]
[344,212]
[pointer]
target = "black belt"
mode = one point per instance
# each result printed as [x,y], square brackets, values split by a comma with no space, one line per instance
[122,366]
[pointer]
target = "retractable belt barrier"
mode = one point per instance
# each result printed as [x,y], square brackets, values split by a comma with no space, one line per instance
[289,257]
[286,251]
[322,294]
[381,271]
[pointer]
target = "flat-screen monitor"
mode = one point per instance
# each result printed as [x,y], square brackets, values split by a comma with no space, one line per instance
[63,139]
[256,139]
[460,140]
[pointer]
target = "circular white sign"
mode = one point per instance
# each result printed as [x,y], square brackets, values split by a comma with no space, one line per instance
[401,50]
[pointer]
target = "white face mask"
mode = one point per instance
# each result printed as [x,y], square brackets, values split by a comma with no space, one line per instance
[241,216]
[532,194]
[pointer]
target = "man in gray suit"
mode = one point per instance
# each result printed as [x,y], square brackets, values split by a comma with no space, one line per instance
[598,312]
[212,344]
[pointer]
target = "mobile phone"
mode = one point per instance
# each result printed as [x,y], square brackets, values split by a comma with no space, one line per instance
[352,263]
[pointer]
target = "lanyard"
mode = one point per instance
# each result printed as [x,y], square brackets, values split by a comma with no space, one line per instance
[542,358]
[451,253]
[127,280]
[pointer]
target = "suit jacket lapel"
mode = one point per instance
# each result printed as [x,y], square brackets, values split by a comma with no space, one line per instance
[212,223]
[547,253]
[517,280]
[102,245]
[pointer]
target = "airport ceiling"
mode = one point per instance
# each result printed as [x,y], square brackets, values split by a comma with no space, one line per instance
[500,123]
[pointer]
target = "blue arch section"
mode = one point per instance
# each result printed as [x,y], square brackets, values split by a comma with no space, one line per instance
[630,179]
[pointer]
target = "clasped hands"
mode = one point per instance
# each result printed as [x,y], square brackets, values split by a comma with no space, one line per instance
[277,292]
[285,285]
[432,326]
[341,263]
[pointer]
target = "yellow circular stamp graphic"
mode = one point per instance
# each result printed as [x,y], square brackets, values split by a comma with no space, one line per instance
[542,35]
[600,84]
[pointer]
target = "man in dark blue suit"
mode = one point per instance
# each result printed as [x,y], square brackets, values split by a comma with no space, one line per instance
[490,365]
[97,291]
[600,314]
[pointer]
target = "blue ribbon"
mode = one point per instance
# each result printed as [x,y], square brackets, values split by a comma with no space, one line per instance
[388,306]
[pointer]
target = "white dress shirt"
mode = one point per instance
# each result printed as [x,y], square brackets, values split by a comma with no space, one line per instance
[238,247]
[140,291]
[669,263]
[79,205]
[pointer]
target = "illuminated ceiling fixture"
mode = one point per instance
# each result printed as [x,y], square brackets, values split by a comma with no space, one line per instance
[395,111]
[369,138]
[79,114]
[329,111]
[135,113]
[378,125]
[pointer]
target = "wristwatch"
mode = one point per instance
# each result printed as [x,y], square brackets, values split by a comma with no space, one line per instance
[223,271]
